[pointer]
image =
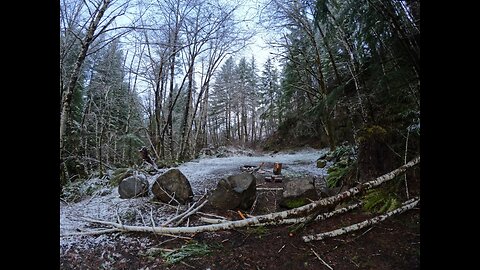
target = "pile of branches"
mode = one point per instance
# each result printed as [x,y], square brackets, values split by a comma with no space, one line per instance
[305,214]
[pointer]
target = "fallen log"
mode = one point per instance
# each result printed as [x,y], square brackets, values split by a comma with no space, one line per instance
[360,225]
[322,216]
[273,218]
[319,217]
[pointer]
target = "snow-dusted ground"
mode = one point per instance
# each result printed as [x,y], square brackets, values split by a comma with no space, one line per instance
[202,173]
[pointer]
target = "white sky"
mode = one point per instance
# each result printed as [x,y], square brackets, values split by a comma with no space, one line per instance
[249,10]
[259,47]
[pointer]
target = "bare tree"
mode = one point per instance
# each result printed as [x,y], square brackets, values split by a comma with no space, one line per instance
[98,22]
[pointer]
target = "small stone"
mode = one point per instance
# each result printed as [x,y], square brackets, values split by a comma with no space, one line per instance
[321,163]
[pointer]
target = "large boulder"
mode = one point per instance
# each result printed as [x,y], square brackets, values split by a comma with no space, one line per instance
[235,191]
[175,184]
[133,186]
[298,192]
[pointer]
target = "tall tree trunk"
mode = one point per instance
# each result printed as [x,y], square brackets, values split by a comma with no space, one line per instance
[68,94]
[158,107]
[186,125]
[353,68]
[227,121]
[170,100]
[238,125]
[328,129]
[253,131]
[244,124]
[330,55]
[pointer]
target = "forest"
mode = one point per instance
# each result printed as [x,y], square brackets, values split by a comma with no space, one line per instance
[148,86]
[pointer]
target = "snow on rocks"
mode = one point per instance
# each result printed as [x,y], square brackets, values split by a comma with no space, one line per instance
[201,173]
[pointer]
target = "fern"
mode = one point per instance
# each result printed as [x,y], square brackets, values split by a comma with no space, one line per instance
[335,175]
[192,249]
[340,172]
[380,201]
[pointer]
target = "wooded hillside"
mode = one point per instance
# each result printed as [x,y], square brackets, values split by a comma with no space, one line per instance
[169,75]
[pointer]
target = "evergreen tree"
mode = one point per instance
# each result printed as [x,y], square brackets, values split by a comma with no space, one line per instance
[70,47]
[222,98]
[270,111]
[113,120]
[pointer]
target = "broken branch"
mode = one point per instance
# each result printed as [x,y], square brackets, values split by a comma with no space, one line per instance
[190,213]
[318,256]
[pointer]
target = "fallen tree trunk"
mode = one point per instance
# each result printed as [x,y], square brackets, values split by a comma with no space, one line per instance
[273,218]
[319,217]
[322,216]
[360,225]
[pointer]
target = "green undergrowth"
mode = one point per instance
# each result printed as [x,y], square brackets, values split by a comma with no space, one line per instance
[296,202]
[342,172]
[380,200]
[342,151]
[260,231]
[76,191]
[192,249]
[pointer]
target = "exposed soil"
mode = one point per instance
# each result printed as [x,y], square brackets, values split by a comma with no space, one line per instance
[392,244]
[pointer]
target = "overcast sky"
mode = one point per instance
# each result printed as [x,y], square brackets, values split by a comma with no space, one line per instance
[251,9]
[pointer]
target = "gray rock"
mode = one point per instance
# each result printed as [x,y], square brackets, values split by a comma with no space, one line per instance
[298,192]
[235,191]
[175,184]
[321,163]
[133,186]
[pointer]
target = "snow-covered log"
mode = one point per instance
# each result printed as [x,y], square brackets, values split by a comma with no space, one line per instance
[360,225]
